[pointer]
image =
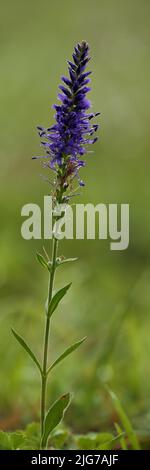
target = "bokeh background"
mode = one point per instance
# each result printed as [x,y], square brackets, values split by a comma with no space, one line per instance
[110,297]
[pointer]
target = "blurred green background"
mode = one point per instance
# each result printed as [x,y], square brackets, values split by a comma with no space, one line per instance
[110,297]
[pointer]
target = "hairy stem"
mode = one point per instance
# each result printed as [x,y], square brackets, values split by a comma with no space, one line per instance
[46,336]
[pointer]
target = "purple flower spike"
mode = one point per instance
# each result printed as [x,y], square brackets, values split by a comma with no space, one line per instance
[66,140]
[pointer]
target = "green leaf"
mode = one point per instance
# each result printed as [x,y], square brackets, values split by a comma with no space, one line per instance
[42,260]
[27,349]
[93,441]
[66,353]
[108,445]
[125,421]
[29,438]
[63,260]
[17,439]
[59,438]
[54,416]
[29,445]
[32,431]
[57,298]
[122,439]
[5,441]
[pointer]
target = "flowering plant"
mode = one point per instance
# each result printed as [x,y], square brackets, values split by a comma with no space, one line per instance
[65,144]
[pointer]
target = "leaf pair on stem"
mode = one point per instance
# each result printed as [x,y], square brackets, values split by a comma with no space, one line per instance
[56,411]
[48,264]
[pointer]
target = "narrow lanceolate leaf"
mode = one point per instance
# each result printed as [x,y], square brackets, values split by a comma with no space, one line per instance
[42,260]
[66,353]
[125,422]
[57,298]
[54,416]
[122,438]
[61,261]
[27,348]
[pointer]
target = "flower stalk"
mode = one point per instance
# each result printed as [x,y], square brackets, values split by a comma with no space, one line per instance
[47,331]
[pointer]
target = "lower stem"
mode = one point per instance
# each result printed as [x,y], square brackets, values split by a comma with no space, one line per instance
[46,336]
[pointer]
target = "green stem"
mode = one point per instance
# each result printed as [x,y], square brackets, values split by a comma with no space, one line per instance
[46,336]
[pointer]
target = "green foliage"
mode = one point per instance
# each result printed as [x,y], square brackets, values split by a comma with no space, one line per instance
[27,348]
[16,439]
[56,299]
[125,422]
[66,353]
[5,441]
[33,431]
[58,438]
[30,438]
[62,260]
[54,416]
[42,261]
[97,441]
[122,439]
[27,439]
[93,441]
